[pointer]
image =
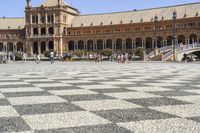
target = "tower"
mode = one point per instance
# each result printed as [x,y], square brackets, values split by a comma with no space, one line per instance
[28,3]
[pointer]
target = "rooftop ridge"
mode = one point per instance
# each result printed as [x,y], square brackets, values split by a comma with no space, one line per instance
[137,10]
[13,18]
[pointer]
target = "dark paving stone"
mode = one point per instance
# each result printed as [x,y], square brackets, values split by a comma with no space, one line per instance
[109,128]
[16,86]
[173,93]
[86,97]
[13,124]
[112,90]
[46,108]
[4,102]
[128,115]
[23,94]
[197,119]
[10,81]
[60,88]
[86,83]
[147,102]
[40,82]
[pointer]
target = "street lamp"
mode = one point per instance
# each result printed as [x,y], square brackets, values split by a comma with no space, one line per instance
[174,32]
[156,23]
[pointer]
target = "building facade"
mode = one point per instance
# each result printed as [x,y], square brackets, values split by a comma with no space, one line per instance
[54,25]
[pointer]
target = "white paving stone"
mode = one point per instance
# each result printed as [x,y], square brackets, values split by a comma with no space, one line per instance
[63,120]
[97,86]
[174,125]
[52,85]
[72,92]
[21,89]
[1,96]
[189,110]
[35,100]
[8,111]
[13,83]
[150,88]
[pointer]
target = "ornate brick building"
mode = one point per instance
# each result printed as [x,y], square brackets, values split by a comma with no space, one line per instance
[54,25]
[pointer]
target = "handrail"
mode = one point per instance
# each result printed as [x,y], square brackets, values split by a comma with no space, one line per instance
[180,50]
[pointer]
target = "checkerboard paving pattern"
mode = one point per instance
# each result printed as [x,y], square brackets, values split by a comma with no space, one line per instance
[85,97]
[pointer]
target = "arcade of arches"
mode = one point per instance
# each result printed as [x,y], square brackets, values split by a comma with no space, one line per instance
[40,48]
[129,43]
[11,47]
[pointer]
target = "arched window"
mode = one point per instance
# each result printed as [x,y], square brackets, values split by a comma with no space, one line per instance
[119,44]
[193,38]
[160,42]
[35,47]
[35,31]
[71,45]
[90,45]
[80,45]
[99,44]
[51,31]
[148,42]
[51,45]
[43,46]
[169,40]
[128,43]
[1,46]
[19,46]
[109,44]
[138,42]
[43,31]
[181,39]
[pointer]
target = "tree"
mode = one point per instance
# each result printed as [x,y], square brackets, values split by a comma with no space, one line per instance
[107,52]
[140,52]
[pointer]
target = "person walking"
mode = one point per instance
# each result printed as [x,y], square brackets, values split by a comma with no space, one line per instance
[52,57]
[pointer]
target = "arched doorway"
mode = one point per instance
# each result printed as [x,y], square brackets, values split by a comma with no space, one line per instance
[128,43]
[71,45]
[43,46]
[51,31]
[138,42]
[35,31]
[181,39]
[169,40]
[80,45]
[99,44]
[51,45]
[20,46]
[90,45]
[160,42]
[193,38]
[1,46]
[119,44]
[35,47]
[149,43]
[10,47]
[43,31]
[109,44]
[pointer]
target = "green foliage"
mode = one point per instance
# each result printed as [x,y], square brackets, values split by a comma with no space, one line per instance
[18,56]
[107,52]
[140,52]
[47,54]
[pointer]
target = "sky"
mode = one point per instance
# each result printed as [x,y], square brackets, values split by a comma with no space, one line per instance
[15,8]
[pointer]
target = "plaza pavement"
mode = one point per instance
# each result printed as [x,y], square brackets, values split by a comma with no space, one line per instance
[85,97]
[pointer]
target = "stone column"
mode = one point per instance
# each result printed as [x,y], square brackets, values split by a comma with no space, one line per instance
[31,18]
[14,46]
[132,47]
[39,19]
[39,47]
[135,45]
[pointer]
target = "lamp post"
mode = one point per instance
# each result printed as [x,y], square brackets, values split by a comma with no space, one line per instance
[156,23]
[174,35]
